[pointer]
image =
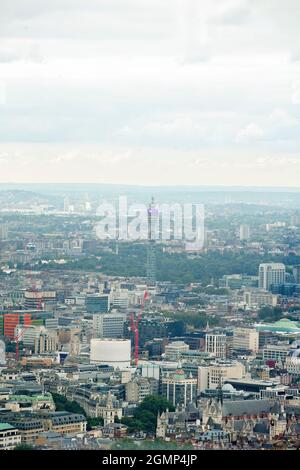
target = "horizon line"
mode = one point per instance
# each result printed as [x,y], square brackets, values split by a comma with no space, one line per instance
[137,185]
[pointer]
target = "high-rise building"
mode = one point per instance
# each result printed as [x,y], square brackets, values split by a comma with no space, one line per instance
[39,299]
[97,303]
[296,274]
[295,220]
[3,232]
[11,320]
[271,274]
[215,344]
[178,388]
[151,246]
[109,325]
[28,333]
[245,338]
[45,343]
[120,299]
[140,387]
[244,232]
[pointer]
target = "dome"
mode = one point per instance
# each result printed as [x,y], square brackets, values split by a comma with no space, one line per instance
[228,388]
[294,353]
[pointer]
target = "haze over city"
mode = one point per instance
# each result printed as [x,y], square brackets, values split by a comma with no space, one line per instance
[149,231]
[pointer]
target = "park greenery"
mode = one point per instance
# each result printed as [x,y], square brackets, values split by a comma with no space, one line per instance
[63,404]
[145,417]
[174,267]
[270,314]
[193,319]
[156,444]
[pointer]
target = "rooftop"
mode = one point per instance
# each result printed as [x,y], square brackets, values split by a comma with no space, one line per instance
[5,426]
[284,325]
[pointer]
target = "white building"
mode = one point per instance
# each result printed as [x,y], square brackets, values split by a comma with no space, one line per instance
[271,274]
[276,352]
[244,232]
[256,298]
[245,338]
[215,344]
[120,299]
[214,375]
[173,350]
[45,343]
[112,352]
[10,437]
[28,334]
[139,388]
[292,362]
[178,388]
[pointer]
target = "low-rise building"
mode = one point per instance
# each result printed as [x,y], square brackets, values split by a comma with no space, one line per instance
[214,375]
[64,422]
[10,436]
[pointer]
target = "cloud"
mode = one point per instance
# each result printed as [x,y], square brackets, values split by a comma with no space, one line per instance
[295,96]
[249,133]
[282,118]
[234,13]
[179,84]
[28,52]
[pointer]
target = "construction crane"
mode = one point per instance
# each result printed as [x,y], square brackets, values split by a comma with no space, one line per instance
[134,326]
[18,338]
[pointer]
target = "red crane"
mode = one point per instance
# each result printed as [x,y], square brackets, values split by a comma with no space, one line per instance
[134,326]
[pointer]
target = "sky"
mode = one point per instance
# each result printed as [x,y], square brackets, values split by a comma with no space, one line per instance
[150,92]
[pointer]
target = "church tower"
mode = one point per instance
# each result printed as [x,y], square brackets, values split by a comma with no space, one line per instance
[278,422]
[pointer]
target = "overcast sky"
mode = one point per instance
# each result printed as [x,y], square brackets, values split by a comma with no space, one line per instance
[150,91]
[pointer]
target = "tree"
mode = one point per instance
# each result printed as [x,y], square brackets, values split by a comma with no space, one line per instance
[62,404]
[270,314]
[23,447]
[146,414]
[93,422]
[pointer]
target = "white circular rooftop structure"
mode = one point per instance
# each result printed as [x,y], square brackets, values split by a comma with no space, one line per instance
[111,352]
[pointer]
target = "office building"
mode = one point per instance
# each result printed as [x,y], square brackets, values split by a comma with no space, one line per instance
[141,387]
[215,344]
[3,232]
[244,232]
[110,325]
[11,320]
[276,352]
[296,274]
[39,299]
[10,436]
[45,343]
[257,298]
[173,350]
[245,339]
[97,303]
[237,281]
[214,375]
[178,388]
[271,274]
